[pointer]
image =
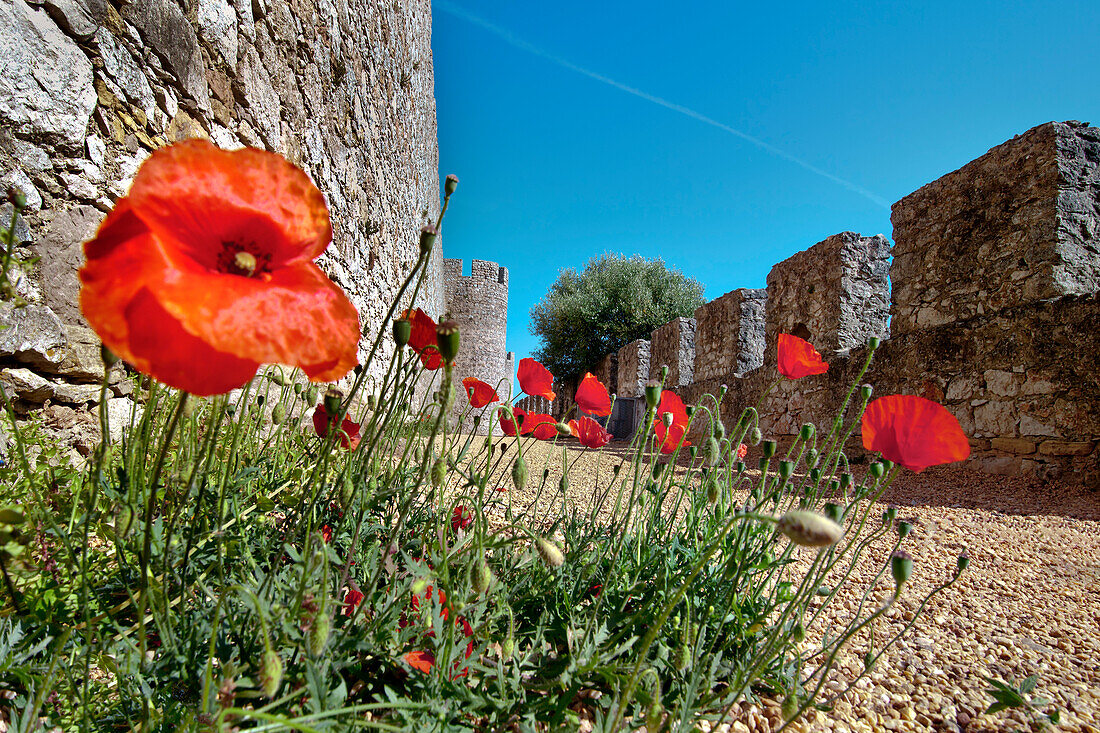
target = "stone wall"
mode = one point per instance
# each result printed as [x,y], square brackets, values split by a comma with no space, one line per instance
[835,294]
[729,335]
[1017,225]
[478,302]
[342,88]
[995,311]
[608,372]
[673,345]
[633,368]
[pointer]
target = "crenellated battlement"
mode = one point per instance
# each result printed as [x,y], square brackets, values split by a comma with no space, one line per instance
[483,270]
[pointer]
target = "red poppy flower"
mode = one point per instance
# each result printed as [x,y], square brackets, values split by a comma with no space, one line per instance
[423,338]
[671,437]
[349,429]
[461,518]
[535,379]
[797,358]
[742,451]
[506,423]
[589,432]
[592,396]
[326,534]
[913,432]
[205,271]
[480,394]
[425,660]
[542,427]
[352,598]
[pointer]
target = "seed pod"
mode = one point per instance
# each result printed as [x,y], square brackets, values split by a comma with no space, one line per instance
[427,239]
[271,673]
[519,473]
[319,633]
[278,414]
[450,184]
[904,528]
[333,399]
[769,448]
[439,472]
[887,465]
[755,436]
[447,338]
[865,392]
[402,332]
[832,511]
[806,431]
[711,452]
[877,469]
[891,512]
[667,418]
[786,468]
[815,475]
[845,481]
[873,342]
[483,576]
[811,457]
[901,567]
[549,553]
[652,393]
[810,529]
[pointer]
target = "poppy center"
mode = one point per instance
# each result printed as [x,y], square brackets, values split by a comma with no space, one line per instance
[244,259]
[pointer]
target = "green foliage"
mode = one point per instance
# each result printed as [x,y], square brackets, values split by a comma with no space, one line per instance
[1006,695]
[610,303]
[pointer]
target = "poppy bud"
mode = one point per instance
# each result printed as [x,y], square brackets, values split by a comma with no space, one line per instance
[873,342]
[798,633]
[865,392]
[961,563]
[904,528]
[483,576]
[689,410]
[719,431]
[402,331]
[811,457]
[332,402]
[755,436]
[446,336]
[563,429]
[868,660]
[519,473]
[508,647]
[739,467]
[815,475]
[769,448]
[664,373]
[887,464]
[652,393]
[693,451]
[877,469]
[477,422]
[271,673]
[891,512]
[318,633]
[549,553]
[427,239]
[17,198]
[124,521]
[901,567]
[711,452]
[563,484]
[789,706]
[297,388]
[658,469]
[667,418]
[832,511]
[439,472]
[450,184]
[712,489]
[107,356]
[682,657]
[809,529]
[806,432]
[786,468]
[845,481]
[278,414]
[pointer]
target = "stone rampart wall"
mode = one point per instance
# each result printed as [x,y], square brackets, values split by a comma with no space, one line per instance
[729,335]
[633,368]
[673,345]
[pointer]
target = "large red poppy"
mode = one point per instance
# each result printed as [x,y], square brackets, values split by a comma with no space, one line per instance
[540,425]
[671,437]
[798,358]
[479,392]
[349,429]
[535,379]
[913,432]
[205,271]
[592,396]
[507,425]
[423,338]
[589,432]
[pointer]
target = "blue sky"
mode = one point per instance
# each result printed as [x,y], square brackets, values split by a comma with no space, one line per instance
[721,136]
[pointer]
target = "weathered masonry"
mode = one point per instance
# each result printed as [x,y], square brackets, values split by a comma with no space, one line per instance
[989,307]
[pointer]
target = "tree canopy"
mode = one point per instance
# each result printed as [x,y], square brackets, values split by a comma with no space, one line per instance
[613,301]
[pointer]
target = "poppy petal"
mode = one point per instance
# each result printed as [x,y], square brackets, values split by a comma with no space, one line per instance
[535,379]
[507,425]
[798,358]
[540,425]
[192,194]
[420,661]
[480,393]
[592,396]
[423,338]
[913,432]
[590,433]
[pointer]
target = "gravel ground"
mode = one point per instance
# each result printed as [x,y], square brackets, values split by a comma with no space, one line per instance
[1029,603]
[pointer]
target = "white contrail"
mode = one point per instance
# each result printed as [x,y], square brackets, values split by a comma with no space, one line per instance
[507,36]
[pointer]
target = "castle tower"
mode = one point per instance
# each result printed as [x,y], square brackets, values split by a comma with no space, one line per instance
[834,294]
[478,302]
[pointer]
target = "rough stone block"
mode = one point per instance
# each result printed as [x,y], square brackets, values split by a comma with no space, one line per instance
[1066,448]
[31,334]
[1017,225]
[729,334]
[1019,446]
[633,368]
[673,345]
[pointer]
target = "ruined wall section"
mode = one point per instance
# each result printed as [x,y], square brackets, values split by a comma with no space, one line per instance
[608,372]
[342,88]
[729,334]
[1017,225]
[633,370]
[478,302]
[673,345]
[835,294]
